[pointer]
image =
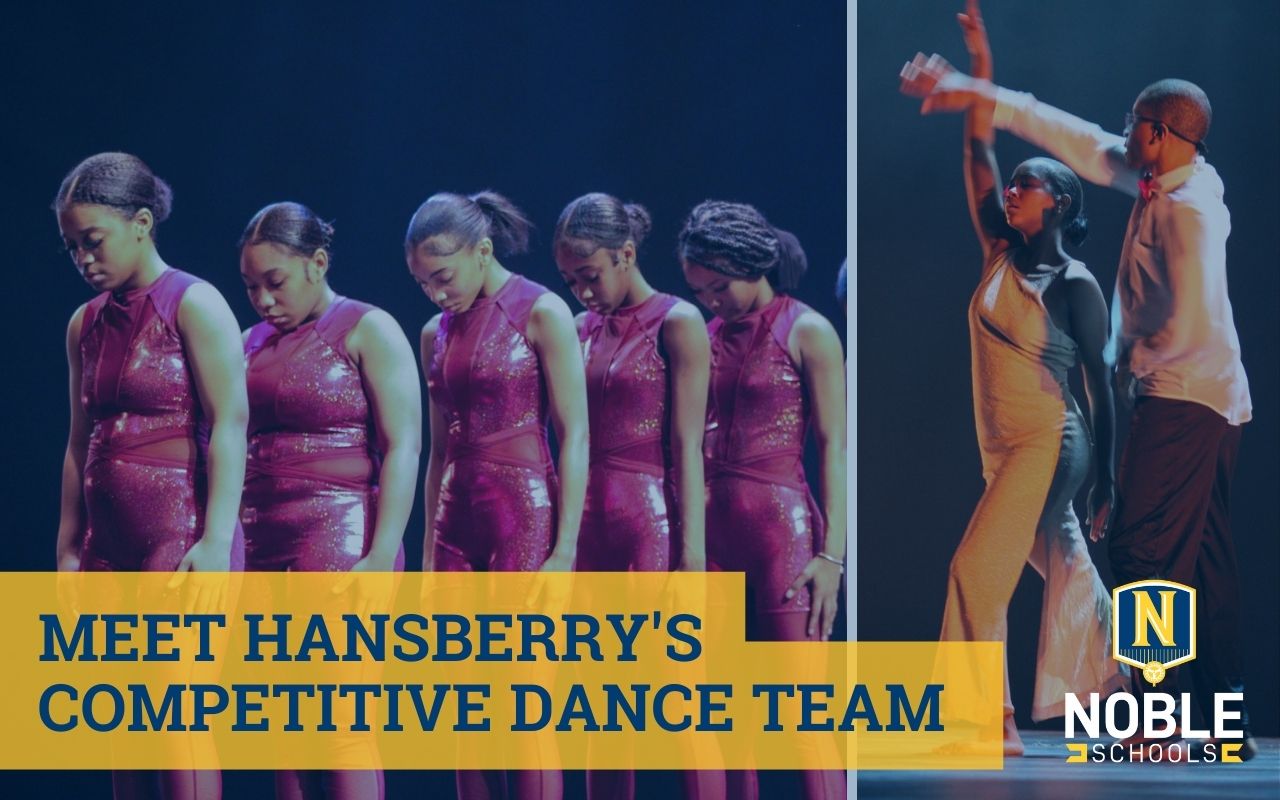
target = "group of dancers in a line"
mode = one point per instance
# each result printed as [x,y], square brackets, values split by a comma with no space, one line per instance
[1035,314]
[295,444]
[679,443]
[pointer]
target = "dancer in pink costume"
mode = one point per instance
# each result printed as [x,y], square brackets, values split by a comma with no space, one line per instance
[334,425]
[501,358]
[335,429]
[155,459]
[647,361]
[776,370]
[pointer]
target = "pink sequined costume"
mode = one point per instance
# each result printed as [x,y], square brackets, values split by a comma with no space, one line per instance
[145,484]
[497,503]
[761,516]
[630,510]
[311,487]
[630,519]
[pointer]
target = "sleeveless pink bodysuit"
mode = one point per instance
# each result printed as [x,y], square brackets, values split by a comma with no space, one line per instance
[311,484]
[630,513]
[761,516]
[497,505]
[145,483]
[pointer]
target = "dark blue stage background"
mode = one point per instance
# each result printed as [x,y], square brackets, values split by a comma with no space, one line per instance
[362,114]
[919,475]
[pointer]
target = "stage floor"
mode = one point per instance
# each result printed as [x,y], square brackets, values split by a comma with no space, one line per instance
[1044,773]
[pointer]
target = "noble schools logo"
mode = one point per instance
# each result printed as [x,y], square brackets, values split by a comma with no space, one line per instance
[1153,626]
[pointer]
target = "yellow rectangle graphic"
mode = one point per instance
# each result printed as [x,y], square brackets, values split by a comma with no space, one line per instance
[467,671]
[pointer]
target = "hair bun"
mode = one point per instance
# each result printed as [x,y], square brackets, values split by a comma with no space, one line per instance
[163,202]
[121,181]
[290,225]
[641,222]
[465,220]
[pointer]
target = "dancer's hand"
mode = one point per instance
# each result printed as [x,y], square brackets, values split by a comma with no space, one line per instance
[69,561]
[557,562]
[921,75]
[205,556]
[549,590]
[941,86]
[205,571]
[371,582]
[975,40]
[692,564]
[374,562]
[824,576]
[69,581]
[1101,498]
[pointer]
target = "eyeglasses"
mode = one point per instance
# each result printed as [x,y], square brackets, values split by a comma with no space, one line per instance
[1131,120]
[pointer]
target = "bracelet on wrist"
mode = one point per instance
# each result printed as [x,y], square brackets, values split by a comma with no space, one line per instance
[839,562]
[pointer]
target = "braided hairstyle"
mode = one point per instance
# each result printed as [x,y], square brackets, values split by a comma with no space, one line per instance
[119,181]
[292,226]
[465,220]
[598,220]
[735,240]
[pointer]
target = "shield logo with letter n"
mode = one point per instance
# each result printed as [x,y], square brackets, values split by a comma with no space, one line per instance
[1153,626]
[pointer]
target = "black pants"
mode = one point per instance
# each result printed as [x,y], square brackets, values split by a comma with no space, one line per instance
[1173,522]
